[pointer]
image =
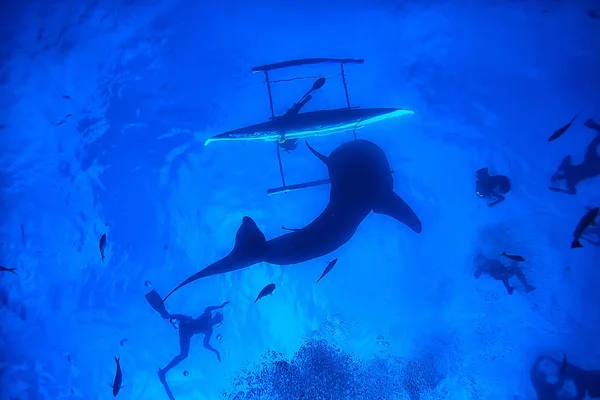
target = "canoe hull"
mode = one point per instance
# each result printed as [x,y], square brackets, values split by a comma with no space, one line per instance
[311,124]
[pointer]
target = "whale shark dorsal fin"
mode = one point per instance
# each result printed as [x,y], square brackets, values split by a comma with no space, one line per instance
[392,205]
[249,238]
[316,153]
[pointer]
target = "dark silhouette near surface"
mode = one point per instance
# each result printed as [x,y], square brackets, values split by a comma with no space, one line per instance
[569,175]
[500,272]
[551,383]
[189,327]
[361,182]
[491,187]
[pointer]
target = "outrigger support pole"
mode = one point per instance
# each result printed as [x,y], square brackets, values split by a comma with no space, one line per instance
[345,86]
[270,95]
[280,165]
[272,117]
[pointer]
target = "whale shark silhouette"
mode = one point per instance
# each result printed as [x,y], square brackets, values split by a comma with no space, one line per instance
[361,182]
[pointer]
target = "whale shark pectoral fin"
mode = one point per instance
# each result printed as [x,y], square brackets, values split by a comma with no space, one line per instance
[395,207]
[316,153]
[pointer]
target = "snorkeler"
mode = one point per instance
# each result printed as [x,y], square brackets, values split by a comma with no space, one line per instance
[570,175]
[491,187]
[500,272]
[554,381]
[188,327]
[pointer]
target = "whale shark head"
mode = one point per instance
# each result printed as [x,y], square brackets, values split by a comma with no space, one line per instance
[361,178]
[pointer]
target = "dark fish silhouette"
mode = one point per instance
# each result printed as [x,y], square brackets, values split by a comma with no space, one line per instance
[62,121]
[593,14]
[4,269]
[290,229]
[514,257]
[266,291]
[562,130]
[587,220]
[328,268]
[118,379]
[23,236]
[563,367]
[102,245]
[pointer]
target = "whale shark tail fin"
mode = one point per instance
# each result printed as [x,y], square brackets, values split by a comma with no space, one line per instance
[393,206]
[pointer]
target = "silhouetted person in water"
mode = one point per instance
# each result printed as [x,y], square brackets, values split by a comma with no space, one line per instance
[491,187]
[552,383]
[189,327]
[500,272]
[592,235]
[571,175]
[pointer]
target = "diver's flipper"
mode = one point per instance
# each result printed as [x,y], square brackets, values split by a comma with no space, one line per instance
[316,153]
[250,244]
[397,208]
[155,301]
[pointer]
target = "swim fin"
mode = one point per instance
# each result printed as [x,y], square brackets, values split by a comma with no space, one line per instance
[155,301]
[393,206]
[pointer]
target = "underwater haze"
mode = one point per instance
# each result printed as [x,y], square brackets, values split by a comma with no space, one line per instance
[105,109]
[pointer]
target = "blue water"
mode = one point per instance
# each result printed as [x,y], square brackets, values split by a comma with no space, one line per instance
[146,82]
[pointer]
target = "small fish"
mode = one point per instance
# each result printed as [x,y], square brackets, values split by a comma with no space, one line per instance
[562,130]
[66,96]
[290,229]
[23,235]
[219,336]
[185,373]
[62,121]
[148,284]
[593,14]
[8,269]
[123,342]
[582,225]
[102,245]
[563,367]
[514,257]
[328,268]
[118,378]
[266,291]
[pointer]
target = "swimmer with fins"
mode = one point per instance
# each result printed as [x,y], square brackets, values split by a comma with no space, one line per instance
[188,327]
[491,187]
[556,380]
[569,175]
[500,272]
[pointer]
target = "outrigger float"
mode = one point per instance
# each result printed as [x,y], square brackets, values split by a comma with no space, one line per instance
[286,129]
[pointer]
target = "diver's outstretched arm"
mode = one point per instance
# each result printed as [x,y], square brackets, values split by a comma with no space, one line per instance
[179,317]
[213,308]
[591,153]
[290,229]
[499,199]
[590,123]
[571,190]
